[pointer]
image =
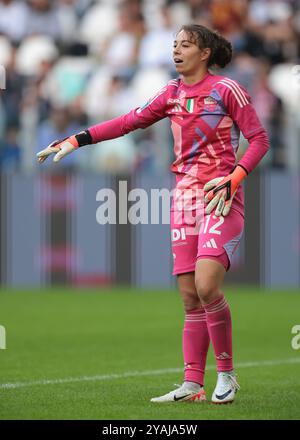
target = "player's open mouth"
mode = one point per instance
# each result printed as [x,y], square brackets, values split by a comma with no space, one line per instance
[177,61]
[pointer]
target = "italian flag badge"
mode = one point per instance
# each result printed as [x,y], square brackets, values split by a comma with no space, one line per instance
[190,105]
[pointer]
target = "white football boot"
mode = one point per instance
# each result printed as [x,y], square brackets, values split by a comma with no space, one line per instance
[226,388]
[187,392]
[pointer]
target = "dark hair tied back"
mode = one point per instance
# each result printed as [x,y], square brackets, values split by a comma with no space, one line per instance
[221,52]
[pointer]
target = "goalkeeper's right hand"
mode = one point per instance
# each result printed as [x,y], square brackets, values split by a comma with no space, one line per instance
[65,146]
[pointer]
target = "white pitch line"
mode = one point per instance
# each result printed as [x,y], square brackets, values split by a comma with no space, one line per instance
[104,377]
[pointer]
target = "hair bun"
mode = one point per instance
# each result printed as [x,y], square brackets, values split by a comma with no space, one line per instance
[222,52]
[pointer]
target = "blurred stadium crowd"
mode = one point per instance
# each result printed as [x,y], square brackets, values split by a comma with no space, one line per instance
[72,63]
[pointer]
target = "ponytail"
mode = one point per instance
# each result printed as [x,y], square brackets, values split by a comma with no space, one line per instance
[221,53]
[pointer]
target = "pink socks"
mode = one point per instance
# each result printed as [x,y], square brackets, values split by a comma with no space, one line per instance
[195,345]
[220,332]
[210,322]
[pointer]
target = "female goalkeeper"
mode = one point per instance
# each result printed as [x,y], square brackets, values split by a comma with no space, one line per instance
[207,113]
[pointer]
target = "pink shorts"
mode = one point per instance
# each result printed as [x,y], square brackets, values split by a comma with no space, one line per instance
[215,238]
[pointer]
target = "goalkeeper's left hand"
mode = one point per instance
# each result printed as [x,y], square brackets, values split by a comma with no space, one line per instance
[221,191]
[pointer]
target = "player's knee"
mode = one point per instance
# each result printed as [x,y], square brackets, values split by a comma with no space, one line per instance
[190,300]
[207,290]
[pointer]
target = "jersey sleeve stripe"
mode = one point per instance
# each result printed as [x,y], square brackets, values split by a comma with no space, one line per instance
[237,89]
[138,110]
[234,93]
[173,82]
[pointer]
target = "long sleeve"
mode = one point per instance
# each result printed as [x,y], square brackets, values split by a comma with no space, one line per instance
[141,117]
[239,107]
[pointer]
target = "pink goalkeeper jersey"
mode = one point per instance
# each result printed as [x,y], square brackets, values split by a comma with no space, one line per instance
[206,120]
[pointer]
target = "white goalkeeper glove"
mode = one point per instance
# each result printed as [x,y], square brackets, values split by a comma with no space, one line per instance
[221,191]
[65,146]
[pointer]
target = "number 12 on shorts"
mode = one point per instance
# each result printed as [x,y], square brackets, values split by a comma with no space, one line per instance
[207,228]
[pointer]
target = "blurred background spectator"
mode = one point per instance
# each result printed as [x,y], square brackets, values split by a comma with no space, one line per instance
[72,63]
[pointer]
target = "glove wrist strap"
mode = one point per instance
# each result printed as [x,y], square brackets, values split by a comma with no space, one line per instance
[246,171]
[83,138]
[240,173]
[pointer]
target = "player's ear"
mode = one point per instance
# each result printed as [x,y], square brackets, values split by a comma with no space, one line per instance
[205,53]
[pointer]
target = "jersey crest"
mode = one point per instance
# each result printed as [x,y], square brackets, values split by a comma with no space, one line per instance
[210,104]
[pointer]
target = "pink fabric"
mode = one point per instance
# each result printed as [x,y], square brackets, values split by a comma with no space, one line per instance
[206,120]
[213,237]
[195,343]
[222,259]
[220,332]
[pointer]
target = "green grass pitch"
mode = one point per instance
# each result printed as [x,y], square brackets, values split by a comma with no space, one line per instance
[106,353]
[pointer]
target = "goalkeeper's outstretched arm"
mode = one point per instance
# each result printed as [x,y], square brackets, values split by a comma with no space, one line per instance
[142,117]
